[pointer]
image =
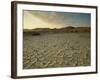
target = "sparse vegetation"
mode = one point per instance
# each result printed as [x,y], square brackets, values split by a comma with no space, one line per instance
[35,33]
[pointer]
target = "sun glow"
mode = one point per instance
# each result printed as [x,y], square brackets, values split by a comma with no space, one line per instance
[49,19]
[31,22]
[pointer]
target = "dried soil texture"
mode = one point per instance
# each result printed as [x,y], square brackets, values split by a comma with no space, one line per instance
[51,50]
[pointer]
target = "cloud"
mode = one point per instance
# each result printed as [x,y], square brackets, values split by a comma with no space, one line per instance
[36,19]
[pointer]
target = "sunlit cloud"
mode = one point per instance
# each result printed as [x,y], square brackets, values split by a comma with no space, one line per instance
[47,19]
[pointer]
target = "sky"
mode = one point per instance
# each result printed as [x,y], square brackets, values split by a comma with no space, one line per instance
[49,19]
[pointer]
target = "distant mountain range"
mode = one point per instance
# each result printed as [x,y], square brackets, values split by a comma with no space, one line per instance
[64,29]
